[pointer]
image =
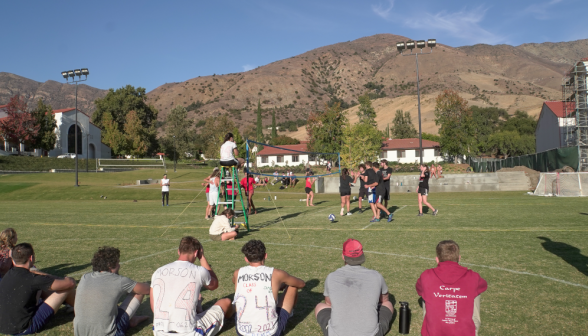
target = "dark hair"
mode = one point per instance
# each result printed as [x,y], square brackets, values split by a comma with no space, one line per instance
[7,238]
[254,250]
[426,167]
[448,250]
[384,161]
[344,172]
[189,245]
[22,252]
[376,165]
[229,136]
[368,164]
[105,259]
[361,166]
[228,212]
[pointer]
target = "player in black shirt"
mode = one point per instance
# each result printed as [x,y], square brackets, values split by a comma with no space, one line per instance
[423,190]
[19,310]
[345,190]
[380,192]
[386,174]
[371,182]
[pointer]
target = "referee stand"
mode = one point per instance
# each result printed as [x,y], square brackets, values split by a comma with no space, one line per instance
[230,174]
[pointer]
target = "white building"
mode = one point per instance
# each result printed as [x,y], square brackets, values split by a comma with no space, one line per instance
[407,151]
[284,156]
[551,126]
[89,136]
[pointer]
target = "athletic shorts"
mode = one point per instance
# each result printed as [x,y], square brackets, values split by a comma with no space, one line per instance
[423,191]
[345,193]
[283,317]
[123,322]
[372,196]
[384,320]
[207,198]
[362,192]
[42,316]
[216,237]
[212,198]
[229,163]
[209,323]
[308,190]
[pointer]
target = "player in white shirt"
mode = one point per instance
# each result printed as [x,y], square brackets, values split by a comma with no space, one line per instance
[259,309]
[175,291]
[164,190]
[229,152]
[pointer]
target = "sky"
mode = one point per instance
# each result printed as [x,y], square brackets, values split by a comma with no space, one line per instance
[150,43]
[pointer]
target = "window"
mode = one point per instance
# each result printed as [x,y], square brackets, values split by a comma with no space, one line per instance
[280,158]
[401,153]
[71,142]
[384,155]
[312,158]
[437,152]
[295,158]
[264,159]
[417,153]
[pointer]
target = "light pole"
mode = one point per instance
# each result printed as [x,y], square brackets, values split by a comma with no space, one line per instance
[175,151]
[410,45]
[67,75]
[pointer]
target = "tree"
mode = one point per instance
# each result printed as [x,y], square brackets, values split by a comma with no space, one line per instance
[46,136]
[111,135]
[486,121]
[259,126]
[136,143]
[20,124]
[431,137]
[178,124]
[213,134]
[402,126]
[325,129]
[120,102]
[361,142]
[284,140]
[274,129]
[520,122]
[455,119]
[366,112]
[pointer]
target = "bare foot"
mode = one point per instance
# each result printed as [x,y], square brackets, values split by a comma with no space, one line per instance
[312,205]
[136,320]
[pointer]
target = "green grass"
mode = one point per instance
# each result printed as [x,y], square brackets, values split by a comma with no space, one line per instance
[534,288]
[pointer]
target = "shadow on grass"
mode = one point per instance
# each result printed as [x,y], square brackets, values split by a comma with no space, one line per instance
[64,269]
[583,213]
[307,300]
[144,310]
[568,253]
[276,220]
[59,319]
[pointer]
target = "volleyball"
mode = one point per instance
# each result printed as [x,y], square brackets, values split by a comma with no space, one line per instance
[331,217]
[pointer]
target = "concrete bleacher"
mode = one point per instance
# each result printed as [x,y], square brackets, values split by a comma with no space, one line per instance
[471,182]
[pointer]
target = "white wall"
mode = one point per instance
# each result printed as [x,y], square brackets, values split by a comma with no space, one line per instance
[272,160]
[64,122]
[412,157]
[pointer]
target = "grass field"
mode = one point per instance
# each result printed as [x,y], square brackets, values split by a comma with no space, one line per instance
[531,250]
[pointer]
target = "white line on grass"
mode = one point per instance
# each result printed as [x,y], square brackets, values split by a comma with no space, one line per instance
[431,259]
[370,224]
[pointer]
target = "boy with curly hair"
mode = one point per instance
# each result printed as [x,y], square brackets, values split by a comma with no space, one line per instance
[259,308]
[96,308]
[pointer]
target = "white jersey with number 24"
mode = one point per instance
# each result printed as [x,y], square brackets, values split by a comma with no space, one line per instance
[176,287]
[254,301]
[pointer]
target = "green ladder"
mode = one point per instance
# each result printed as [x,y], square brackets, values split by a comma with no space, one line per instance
[230,174]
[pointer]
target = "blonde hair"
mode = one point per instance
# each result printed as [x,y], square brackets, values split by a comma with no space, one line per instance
[7,238]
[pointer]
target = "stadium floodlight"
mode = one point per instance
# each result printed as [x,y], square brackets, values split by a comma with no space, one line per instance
[64,74]
[400,46]
[78,72]
[410,45]
[71,73]
[421,44]
[432,43]
[85,71]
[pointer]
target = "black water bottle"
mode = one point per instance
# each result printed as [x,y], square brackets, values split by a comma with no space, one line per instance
[404,323]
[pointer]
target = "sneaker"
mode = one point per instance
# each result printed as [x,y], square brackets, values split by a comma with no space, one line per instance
[349,214]
[420,214]
[360,210]
[341,213]
[374,220]
[435,212]
[390,217]
[168,205]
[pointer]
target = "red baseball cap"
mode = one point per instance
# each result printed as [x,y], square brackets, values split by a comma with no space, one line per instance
[353,252]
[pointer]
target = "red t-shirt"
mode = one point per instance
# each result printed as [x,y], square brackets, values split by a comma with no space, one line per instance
[251,183]
[230,188]
[449,291]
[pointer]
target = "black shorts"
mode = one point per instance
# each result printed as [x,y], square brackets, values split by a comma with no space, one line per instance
[363,192]
[229,163]
[308,190]
[345,192]
[384,320]
[423,191]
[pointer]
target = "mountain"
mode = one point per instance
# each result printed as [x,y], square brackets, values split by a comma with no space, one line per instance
[505,76]
[58,95]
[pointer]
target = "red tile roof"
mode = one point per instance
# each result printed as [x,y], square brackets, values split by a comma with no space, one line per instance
[66,110]
[279,151]
[411,143]
[557,107]
[3,106]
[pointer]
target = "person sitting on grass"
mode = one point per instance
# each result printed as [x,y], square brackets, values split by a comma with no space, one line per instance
[175,295]
[20,310]
[97,310]
[293,180]
[451,295]
[221,229]
[356,298]
[8,239]
[257,286]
